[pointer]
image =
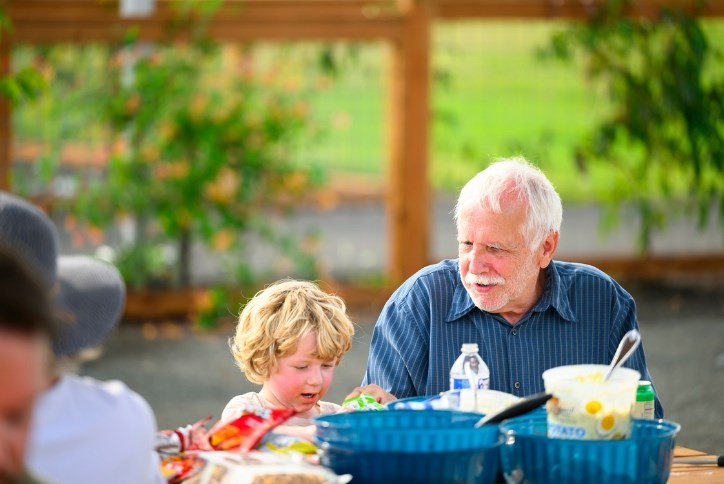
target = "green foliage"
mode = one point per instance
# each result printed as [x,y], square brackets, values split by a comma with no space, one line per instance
[215,308]
[201,147]
[492,96]
[27,82]
[663,141]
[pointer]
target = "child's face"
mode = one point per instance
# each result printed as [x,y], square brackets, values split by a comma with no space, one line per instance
[299,380]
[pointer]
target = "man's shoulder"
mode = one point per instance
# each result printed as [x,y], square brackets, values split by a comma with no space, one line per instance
[440,276]
[575,271]
[112,397]
[447,268]
[576,275]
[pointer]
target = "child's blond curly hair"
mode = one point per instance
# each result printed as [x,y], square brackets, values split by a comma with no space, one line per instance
[277,317]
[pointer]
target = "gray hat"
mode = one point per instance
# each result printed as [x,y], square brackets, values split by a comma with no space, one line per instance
[89,294]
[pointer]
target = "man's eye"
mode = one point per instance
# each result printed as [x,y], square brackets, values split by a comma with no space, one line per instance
[328,365]
[300,367]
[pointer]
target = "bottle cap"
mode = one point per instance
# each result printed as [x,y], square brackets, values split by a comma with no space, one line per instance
[469,348]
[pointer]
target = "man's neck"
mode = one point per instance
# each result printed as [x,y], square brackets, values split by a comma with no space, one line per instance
[515,315]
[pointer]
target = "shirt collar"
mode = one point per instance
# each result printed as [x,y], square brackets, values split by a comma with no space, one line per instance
[462,303]
[553,295]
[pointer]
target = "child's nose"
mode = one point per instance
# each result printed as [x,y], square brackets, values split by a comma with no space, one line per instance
[315,376]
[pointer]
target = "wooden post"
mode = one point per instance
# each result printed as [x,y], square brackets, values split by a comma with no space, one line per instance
[407,185]
[5,129]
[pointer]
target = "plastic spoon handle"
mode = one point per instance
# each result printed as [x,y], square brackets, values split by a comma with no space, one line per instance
[626,347]
[519,408]
[713,461]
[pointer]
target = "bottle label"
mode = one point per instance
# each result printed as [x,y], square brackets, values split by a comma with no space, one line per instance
[463,382]
[643,409]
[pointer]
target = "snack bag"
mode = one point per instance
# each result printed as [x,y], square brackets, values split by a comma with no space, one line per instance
[286,444]
[176,469]
[364,401]
[190,437]
[246,431]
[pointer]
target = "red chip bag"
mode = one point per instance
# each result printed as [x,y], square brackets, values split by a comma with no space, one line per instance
[246,431]
[178,468]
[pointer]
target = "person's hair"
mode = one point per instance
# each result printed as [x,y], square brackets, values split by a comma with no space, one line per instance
[516,176]
[274,321]
[24,303]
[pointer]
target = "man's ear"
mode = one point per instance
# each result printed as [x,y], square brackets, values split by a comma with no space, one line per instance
[548,248]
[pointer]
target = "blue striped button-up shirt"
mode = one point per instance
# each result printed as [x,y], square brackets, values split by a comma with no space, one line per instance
[580,318]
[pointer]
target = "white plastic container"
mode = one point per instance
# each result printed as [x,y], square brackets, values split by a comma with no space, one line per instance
[586,407]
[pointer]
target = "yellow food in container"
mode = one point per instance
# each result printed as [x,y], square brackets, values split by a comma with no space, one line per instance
[586,407]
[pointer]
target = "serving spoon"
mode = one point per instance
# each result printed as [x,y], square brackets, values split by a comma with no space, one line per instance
[626,347]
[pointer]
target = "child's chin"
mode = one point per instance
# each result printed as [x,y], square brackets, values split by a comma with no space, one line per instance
[306,405]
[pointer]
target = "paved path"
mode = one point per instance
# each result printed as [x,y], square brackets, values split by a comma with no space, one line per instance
[187,375]
[352,239]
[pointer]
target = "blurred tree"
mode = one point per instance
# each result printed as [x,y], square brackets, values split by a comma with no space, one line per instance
[27,82]
[663,142]
[199,153]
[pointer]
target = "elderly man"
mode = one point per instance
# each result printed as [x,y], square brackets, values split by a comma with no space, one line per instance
[526,311]
[26,325]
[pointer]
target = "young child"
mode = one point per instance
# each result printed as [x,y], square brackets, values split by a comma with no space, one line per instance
[290,338]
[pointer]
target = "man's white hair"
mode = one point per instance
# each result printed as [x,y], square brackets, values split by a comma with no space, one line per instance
[517,177]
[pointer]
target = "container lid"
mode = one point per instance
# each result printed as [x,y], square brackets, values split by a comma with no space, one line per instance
[469,348]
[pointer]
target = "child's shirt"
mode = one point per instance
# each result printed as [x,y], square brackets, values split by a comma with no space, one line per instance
[237,405]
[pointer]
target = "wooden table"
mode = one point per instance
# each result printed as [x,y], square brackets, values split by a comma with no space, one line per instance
[694,474]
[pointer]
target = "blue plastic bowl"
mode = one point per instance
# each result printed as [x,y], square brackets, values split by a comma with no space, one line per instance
[469,466]
[528,455]
[405,431]
[409,446]
[403,402]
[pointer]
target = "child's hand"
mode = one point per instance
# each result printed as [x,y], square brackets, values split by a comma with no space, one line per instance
[302,431]
[375,390]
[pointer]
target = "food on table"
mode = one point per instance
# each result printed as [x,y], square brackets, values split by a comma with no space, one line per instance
[245,432]
[364,401]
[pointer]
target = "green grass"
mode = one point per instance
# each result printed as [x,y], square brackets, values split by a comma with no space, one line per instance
[491,96]
[504,100]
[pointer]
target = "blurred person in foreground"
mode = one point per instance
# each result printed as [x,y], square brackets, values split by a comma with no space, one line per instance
[83,430]
[26,325]
[526,311]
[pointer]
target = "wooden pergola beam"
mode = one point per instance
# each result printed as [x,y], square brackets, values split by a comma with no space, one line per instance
[408,199]
[552,9]
[50,21]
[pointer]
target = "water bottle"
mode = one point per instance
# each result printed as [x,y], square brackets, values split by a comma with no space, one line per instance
[469,370]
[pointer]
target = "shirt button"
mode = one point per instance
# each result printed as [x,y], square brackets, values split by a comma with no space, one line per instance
[515,331]
[517,385]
